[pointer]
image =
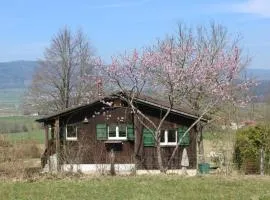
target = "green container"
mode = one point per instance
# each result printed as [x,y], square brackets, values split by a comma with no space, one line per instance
[204,168]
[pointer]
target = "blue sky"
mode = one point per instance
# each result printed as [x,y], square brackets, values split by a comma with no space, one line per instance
[114,26]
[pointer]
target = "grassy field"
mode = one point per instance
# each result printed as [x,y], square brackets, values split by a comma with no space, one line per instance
[140,187]
[36,135]
[21,128]
[10,99]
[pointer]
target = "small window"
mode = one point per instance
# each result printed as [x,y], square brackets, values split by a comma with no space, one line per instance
[162,136]
[172,135]
[168,137]
[71,132]
[112,130]
[122,129]
[117,132]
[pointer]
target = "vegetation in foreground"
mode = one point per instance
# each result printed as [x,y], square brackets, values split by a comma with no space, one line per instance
[139,187]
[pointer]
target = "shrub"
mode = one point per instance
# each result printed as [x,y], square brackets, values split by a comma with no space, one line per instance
[249,142]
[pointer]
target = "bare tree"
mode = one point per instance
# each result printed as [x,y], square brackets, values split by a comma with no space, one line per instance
[60,82]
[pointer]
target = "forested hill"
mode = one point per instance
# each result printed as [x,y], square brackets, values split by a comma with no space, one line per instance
[16,74]
[259,74]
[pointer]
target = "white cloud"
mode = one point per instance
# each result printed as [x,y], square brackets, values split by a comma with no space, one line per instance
[256,7]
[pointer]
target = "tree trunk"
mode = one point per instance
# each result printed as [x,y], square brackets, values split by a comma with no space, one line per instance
[199,134]
[159,155]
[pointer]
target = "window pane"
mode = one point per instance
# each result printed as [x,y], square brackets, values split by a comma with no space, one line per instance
[171,136]
[162,136]
[122,130]
[71,131]
[112,130]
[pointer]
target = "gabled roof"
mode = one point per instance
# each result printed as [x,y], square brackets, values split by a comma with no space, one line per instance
[142,99]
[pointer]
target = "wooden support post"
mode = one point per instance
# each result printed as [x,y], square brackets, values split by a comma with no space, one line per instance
[57,143]
[46,136]
[44,156]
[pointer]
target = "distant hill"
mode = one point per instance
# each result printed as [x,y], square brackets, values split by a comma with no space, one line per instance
[16,74]
[259,74]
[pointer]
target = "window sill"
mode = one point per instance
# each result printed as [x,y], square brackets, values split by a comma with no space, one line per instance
[113,142]
[71,139]
[168,145]
[118,139]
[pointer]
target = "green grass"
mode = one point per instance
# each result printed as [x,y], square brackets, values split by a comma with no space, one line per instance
[10,100]
[13,124]
[140,187]
[36,135]
[19,128]
[24,119]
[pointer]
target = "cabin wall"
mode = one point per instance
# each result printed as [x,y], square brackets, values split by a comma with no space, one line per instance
[88,150]
[146,157]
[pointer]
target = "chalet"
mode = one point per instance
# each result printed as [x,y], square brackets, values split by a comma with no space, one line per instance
[92,137]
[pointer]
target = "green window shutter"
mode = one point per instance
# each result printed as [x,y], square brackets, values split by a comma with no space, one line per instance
[130,132]
[185,139]
[148,138]
[101,131]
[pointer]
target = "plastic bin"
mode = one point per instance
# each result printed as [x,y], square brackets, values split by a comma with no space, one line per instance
[204,168]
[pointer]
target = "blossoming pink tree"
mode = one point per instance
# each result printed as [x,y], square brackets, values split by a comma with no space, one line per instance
[199,67]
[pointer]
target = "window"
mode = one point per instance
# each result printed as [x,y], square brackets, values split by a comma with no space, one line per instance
[117,132]
[112,131]
[168,137]
[71,132]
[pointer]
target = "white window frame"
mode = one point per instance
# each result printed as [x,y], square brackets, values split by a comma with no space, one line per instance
[166,143]
[117,134]
[72,138]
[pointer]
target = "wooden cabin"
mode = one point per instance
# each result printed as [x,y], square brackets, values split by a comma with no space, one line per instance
[92,137]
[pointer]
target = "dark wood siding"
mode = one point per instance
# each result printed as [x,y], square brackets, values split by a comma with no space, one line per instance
[146,157]
[88,150]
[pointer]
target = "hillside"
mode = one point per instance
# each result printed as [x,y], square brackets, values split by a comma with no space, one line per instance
[259,74]
[14,79]
[17,74]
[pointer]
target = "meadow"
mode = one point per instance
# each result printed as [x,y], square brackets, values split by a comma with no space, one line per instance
[21,128]
[139,187]
[10,100]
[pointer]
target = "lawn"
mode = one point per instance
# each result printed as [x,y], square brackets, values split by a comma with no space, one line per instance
[35,135]
[21,128]
[140,187]
[10,100]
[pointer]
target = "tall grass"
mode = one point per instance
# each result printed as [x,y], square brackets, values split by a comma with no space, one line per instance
[15,157]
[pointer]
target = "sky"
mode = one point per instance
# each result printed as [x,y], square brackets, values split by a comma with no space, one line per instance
[115,26]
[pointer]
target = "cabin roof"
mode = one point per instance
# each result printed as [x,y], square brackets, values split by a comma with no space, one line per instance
[142,99]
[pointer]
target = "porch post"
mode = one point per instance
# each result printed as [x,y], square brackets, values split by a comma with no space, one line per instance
[46,136]
[57,137]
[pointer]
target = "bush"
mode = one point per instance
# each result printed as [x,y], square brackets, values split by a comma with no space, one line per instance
[249,142]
